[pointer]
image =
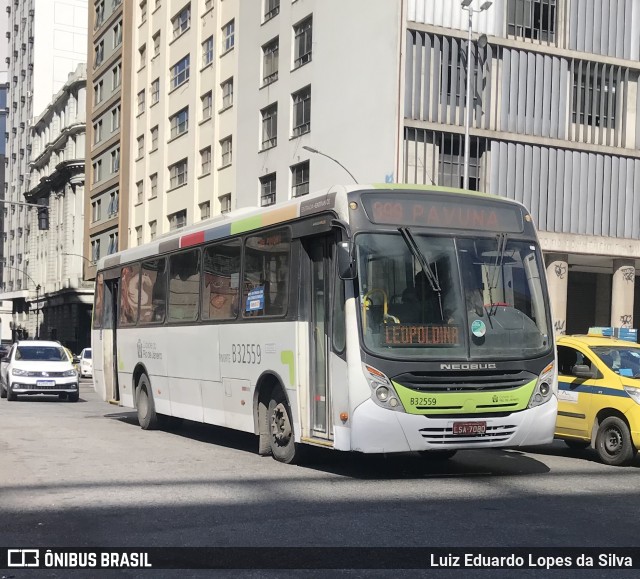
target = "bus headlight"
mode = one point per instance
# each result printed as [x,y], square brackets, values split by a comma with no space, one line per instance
[544,387]
[384,392]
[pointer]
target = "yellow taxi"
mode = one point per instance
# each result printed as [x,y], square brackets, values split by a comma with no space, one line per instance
[599,396]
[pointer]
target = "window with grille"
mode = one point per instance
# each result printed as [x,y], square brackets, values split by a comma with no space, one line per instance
[205,161]
[207,105]
[226,151]
[534,19]
[302,42]
[594,95]
[268,190]
[178,174]
[95,250]
[156,44]
[207,51]
[154,138]
[141,99]
[153,226]
[140,146]
[177,220]
[228,36]
[271,9]
[301,111]
[227,93]
[225,203]
[140,191]
[270,52]
[205,210]
[153,180]
[269,126]
[179,123]
[300,179]
[180,72]
[155,91]
[181,21]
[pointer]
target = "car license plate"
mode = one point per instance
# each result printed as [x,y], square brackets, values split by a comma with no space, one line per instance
[45,383]
[469,428]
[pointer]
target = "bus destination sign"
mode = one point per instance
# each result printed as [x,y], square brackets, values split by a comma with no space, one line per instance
[434,211]
[403,335]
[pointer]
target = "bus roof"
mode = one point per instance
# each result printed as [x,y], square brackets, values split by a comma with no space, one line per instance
[251,218]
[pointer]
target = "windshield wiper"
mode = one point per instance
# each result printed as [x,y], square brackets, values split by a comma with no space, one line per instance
[502,239]
[432,277]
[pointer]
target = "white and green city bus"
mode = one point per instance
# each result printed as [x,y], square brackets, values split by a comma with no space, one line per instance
[375,318]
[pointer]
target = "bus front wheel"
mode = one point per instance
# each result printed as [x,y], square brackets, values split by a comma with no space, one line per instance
[147,417]
[281,437]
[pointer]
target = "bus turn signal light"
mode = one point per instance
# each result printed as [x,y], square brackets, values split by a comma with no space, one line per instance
[344,416]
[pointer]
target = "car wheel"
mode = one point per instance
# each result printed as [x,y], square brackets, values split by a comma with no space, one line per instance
[613,442]
[11,396]
[437,454]
[576,444]
[146,409]
[281,436]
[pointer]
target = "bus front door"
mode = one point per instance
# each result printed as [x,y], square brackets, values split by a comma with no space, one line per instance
[109,340]
[319,250]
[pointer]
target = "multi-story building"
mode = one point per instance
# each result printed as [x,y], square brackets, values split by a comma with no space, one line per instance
[5,307]
[57,180]
[218,98]
[47,40]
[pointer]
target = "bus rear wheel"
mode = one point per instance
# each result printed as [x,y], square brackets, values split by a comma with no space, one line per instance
[281,437]
[146,409]
[613,442]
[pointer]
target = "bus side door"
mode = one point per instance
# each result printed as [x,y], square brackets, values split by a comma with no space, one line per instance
[574,394]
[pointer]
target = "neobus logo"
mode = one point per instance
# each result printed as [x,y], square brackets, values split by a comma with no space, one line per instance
[473,366]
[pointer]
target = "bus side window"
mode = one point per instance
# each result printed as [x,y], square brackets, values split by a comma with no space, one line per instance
[221,280]
[129,292]
[184,286]
[99,301]
[153,291]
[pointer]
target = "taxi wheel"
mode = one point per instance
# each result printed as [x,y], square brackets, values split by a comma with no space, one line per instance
[437,454]
[613,442]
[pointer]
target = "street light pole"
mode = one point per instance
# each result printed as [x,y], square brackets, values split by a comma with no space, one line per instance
[312,150]
[466,5]
[82,256]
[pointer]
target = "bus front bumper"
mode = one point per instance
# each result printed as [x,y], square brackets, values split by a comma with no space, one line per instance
[375,429]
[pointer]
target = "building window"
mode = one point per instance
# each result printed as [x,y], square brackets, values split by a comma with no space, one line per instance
[532,19]
[116,76]
[269,126]
[302,42]
[205,161]
[142,51]
[113,243]
[97,92]
[143,11]
[451,161]
[593,99]
[153,179]
[155,91]
[300,179]
[96,172]
[115,160]
[96,210]
[141,102]
[207,105]
[113,204]
[99,14]
[268,190]
[153,225]
[207,51]
[180,72]
[301,111]
[179,123]
[228,36]
[154,138]
[97,132]
[182,21]
[208,5]
[117,35]
[98,54]
[177,220]
[226,151]
[156,44]
[115,119]
[95,250]
[270,53]
[140,146]
[227,93]
[140,191]
[178,174]
[225,203]
[139,235]
[271,9]
[205,210]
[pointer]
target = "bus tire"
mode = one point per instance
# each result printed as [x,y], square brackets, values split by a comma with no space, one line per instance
[574,444]
[146,409]
[437,454]
[613,442]
[281,436]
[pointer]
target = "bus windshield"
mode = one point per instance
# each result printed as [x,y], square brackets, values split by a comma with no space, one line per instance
[424,296]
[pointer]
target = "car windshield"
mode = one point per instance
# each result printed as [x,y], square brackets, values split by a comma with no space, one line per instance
[443,297]
[41,354]
[87,355]
[622,360]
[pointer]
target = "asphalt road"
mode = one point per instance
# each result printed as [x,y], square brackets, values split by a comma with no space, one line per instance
[85,475]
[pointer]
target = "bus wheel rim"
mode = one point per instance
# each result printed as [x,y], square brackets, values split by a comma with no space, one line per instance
[280,425]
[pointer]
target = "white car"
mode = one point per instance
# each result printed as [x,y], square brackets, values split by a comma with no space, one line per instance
[86,363]
[38,367]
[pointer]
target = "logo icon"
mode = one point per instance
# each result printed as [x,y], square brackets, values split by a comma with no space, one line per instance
[495,398]
[23,557]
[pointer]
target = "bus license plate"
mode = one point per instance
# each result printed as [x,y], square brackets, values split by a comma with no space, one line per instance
[469,428]
[45,383]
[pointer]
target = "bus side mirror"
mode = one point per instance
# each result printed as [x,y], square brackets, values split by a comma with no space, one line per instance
[346,263]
